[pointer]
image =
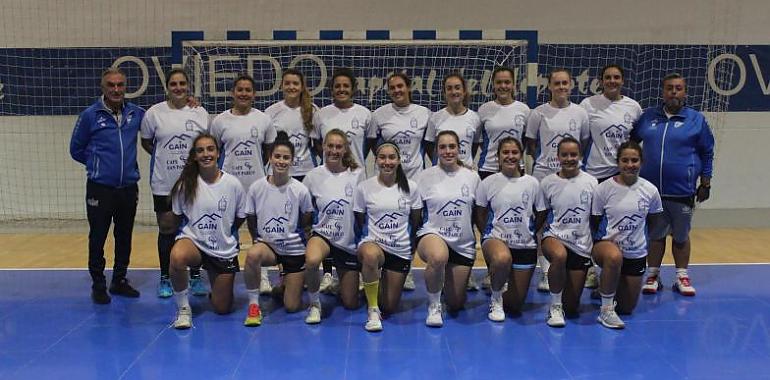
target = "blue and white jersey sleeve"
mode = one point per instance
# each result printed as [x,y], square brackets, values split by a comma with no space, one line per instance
[332,195]
[466,126]
[241,138]
[625,210]
[355,122]
[387,212]
[278,211]
[549,125]
[511,203]
[498,122]
[568,201]
[289,120]
[610,124]
[405,127]
[172,132]
[448,200]
[209,221]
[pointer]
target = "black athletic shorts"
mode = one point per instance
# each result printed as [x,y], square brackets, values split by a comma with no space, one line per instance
[161,203]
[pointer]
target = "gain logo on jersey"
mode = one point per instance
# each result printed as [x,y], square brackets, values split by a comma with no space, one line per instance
[506,133]
[403,137]
[572,125]
[243,149]
[512,215]
[615,132]
[452,210]
[178,143]
[336,208]
[275,225]
[554,143]
[572,216]
[207,222]
[388,221]
[628,223]
[222,204]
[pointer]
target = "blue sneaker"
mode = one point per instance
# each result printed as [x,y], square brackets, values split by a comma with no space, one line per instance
[197,287]
[164,288]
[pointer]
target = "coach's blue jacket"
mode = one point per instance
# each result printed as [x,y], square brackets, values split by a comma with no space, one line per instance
[108,150]
[676,151]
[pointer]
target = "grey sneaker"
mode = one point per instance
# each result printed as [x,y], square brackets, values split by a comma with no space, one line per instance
[609,318]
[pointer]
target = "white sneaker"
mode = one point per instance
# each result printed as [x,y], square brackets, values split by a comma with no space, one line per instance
[555,317]
[327,284]
[683,286]
[374,320]
[651,285]
[486,282]
[472,284]
[183,319]
[542,283]
[496,313]
[313,314]
[265,287]
[434,318]
[592,280]
[409,282]
[609,318]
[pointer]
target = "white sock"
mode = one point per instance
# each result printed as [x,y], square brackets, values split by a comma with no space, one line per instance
[182,298]
[497,295]
[681,272]
[608,300]
[556,298]
[315,297]
[653,271]
[434,298]
[544,263]
[253,296]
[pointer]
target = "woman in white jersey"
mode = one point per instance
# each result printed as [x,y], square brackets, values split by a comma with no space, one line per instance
[212,203]
[402,123]
[353,119]
[500,118]
[611,116]
[506,205]
[622,210]
[567,236]
[167,132]
[455,117]
[279,209]
[331,187]
[447,243]
[546,126]
[387,209]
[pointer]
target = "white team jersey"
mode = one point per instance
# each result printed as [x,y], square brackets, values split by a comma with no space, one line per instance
[172,132]
[624,211]
[498,122]
[290,120]
[354,121]
[448,201]
[278,211]
[332,195]
[549,125]
[610,124]
[210,219]
[569,203]
[241,138]
[387,212]
[466,126]
[511,203]
[405,127]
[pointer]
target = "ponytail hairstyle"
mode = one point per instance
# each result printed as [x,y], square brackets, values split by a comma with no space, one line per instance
[457,140]
[305,99]
[282,139]
[187,184]
[401,179]
[509,140]
[347,158]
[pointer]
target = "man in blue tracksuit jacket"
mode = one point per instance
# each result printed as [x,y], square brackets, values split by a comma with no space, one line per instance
[678,152]
[104,140]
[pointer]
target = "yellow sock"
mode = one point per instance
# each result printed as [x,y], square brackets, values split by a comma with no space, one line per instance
[372,290]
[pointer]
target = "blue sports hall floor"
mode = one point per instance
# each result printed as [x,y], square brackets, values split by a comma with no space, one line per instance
[50,329]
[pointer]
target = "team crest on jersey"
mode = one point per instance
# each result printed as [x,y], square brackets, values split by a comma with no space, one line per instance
[572,125]
[678,124]
[519,121]
[211,241]
[349,190]
[524,198]
[642,205]
[413,122]
[585,197]
[128,118]
[403,203]
[190,125]
[628,119]
[465,190]
[653,124]
[101,121]
[287,207]
[222,205]
[469,133]
[254,132]
[355,124]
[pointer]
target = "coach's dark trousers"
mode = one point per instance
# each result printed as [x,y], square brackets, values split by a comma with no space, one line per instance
[104,205]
